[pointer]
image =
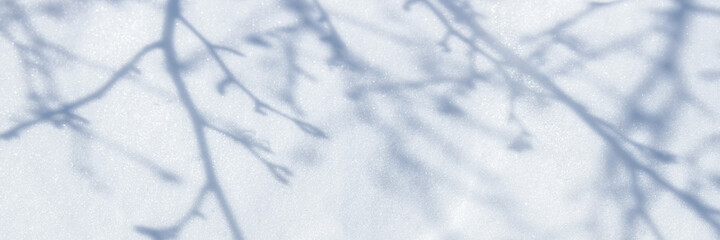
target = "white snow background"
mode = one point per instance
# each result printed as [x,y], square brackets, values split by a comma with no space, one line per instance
[317,119]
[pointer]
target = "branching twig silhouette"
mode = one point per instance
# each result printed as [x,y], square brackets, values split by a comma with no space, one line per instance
[64,115]
[201,125]
[641,160]
[630,154]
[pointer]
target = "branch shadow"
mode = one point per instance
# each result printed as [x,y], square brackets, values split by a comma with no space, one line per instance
[636,158]
[408,174]
[62,114]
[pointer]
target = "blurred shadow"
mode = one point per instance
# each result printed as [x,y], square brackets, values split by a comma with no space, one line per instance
[395,108]
[460,23]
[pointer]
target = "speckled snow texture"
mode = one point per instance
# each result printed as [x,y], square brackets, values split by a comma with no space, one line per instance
[315,119]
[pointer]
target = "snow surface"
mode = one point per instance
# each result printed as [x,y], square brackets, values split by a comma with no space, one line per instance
[316,119]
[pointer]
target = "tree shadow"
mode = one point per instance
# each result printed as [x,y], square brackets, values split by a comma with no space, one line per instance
[411,104]
[635,158]
[51,109]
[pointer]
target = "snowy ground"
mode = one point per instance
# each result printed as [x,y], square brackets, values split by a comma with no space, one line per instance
[315,119]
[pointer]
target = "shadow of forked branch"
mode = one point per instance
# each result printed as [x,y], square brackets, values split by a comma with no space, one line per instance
[460,23]
[64,115]
[201,125]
